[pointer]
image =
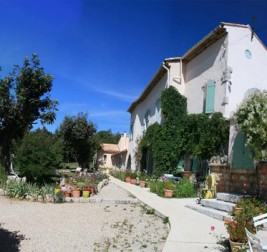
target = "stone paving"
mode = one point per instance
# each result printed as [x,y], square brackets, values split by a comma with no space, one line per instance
[190,230]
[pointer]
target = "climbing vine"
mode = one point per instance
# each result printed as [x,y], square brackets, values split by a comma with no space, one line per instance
[180,134]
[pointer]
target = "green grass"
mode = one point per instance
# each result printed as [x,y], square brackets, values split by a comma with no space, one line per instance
[71,165]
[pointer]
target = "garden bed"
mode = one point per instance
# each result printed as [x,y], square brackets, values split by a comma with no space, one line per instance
[61,192]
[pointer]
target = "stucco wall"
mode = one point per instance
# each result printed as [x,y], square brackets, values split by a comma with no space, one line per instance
[224,62]
[175,79]
[139,112]
[123,142]
[247,73]
[100,159]
[209,65]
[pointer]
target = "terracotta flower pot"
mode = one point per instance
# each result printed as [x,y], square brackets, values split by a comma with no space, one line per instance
[235,246]
[237,210]
[91,189]
[142,183]
[128,180]
[76,193]
[67,194]
[133,181]
[168,193]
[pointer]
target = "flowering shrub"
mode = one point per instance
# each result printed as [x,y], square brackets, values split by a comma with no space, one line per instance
[250,208]
[236,229]
[251,118]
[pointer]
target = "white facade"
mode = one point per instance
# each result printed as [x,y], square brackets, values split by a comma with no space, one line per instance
[248,72]
[227,57]
[207,66]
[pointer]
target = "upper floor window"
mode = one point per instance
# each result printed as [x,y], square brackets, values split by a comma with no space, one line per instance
[157,111]
[131,130]
[209,98]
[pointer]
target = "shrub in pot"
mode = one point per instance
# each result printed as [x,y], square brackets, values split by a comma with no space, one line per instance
[235,227]
[58,197]
[128,177]
[133,177]
[168,189]
[142,180]
[76,192]
[86,192]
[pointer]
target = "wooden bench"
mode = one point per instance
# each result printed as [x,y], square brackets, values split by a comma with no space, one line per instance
[260,220]
[255,243]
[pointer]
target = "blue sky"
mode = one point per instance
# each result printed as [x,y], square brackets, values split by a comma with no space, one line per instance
[102,54]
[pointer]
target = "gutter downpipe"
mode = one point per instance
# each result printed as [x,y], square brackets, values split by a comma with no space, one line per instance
[168,74]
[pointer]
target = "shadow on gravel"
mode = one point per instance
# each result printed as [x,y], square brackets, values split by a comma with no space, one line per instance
[9,241]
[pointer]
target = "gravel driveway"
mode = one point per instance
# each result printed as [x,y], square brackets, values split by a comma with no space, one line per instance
[103,226]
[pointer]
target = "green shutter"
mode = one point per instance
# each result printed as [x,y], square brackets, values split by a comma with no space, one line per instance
[241,154]
[195,165]
[210,97]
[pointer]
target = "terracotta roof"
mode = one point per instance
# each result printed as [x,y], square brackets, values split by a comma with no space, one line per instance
[113,155]
[110,148]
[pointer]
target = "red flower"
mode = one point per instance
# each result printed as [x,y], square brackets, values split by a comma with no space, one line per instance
[212,228]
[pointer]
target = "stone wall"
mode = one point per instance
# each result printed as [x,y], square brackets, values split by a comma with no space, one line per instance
[262,179]
[239,180]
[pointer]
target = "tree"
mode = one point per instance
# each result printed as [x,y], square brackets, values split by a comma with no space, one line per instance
[78,138]
[38,156]
[106,136]
[251,120]
[24,99]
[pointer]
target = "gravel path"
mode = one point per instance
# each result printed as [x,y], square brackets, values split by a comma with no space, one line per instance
[106,226]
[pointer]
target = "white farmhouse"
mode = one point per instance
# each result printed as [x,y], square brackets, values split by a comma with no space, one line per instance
[214,76]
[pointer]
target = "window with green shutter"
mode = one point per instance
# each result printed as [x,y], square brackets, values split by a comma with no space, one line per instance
[209,97]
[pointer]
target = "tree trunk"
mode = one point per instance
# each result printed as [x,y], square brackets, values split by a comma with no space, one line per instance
[5,154]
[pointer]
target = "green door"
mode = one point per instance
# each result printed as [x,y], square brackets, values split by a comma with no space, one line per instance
[242,158]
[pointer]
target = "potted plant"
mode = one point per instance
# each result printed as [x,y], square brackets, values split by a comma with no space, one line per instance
[66,190]
[76,192]
[133,177]
[236,229]
[142,180]
[168,189]
[57,188]
[58,197]
[248,208]
[86,192]
[128,177]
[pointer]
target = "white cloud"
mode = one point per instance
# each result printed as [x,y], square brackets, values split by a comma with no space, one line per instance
[121,96]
